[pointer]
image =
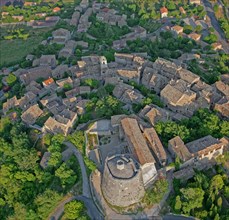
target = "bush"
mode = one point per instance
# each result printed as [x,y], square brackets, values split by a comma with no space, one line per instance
[11,79]
[188,29]
[153,196]
[212,38]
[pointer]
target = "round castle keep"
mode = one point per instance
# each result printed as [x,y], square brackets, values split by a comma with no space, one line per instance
[122,183]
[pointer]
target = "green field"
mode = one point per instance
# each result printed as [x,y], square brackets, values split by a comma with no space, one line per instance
[13,51]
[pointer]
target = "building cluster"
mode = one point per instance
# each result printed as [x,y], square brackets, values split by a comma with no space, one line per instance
[204,148]
[134,167]
[43,19]
[181,91]
[138,163]
[136,33]
[109,16]
[80,17]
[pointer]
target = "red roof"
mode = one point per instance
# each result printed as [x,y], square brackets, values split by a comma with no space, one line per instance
[105,10]
[6,89]
[56,9]
[182,10]
[163,10]
[48,81]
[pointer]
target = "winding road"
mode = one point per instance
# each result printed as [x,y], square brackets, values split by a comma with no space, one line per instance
[215,24]
[86,197]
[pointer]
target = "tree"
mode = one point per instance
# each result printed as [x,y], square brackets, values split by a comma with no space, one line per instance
[187,29]
[11,79]
[67,87]
[217,217]
[171,5]
[219,202]
[154,195]
[66,175]
[77,138]
[93,83]
[191,198]
[216,183]
[177,163]
[73,210]
[198,28]
[212,38]
[109,88]
[226,192]
[178,204]
[216,8]
[46,202]
[5,124]
[55,159]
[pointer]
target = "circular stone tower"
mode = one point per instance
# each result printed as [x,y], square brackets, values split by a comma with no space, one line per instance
[122,183]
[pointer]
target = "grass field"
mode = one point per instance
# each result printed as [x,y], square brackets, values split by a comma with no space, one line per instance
[13,51]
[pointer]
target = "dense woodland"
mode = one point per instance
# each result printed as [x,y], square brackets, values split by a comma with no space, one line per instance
[202,123]
[26,190]
[29,192]
[205,196]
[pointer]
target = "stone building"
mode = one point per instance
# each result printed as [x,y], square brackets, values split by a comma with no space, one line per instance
[122,182]
[139,148]
[61,36]
[35,73]
[156,145]
[202,149]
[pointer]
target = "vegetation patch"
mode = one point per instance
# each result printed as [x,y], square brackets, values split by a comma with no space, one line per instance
[203,195]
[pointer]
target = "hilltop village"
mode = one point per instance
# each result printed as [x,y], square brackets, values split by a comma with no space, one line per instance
[127,138]
[133,118]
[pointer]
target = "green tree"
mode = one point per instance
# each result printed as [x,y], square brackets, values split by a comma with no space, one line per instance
[216,183]
[55,159]
[187,29]
[217,217]
[11,79]
[191,198]
[66,175]
[212,38]
[219,202]
[93,83]
[67,87]
[73,210]
[46,202]
[178,204]
[77,138]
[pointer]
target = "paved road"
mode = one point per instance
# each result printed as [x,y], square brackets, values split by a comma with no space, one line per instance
[176,217]
[215,24]
[93,212]
[75,151]
[92,209]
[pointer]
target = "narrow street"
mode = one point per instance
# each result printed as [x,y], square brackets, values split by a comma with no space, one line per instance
[215,24]
[86,198]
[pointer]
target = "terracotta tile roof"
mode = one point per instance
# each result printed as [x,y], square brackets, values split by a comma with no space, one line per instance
[56,9]
[136,141]
[222,106]
[177,28]
[216,46]
[155,144]
[223,88]
[182,10]
[163,10]
[203,145]
[48,81]
[31,114]
[194,36]
[179,148]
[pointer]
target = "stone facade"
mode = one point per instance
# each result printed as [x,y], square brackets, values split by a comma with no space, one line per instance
[121,175]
